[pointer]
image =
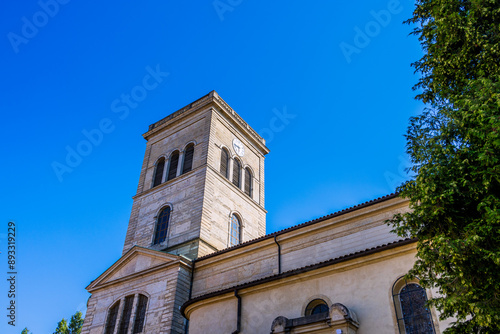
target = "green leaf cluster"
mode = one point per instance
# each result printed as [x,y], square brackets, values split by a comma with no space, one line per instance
[454,146]
[74,327]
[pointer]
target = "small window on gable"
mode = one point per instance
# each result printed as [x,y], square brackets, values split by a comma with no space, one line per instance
[172,166]
[412,313]
[316,306]
[248,182]
[236,173]
[235,235]
[188,158]
[162,226]
[127,314]
[160,165]
[224,163]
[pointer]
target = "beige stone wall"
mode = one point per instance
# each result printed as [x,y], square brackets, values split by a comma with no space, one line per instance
[184,193]
[341,235]
[202,200]
[161,288]
[364,285]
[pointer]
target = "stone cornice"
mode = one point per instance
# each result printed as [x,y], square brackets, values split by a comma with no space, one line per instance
[170,261]
[340,263]
[213,99]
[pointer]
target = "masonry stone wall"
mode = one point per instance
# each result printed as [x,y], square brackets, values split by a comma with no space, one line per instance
[352,232]
[184,193]
[363,285]
[160,287]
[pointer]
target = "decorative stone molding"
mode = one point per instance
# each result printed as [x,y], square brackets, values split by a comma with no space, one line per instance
[339,320]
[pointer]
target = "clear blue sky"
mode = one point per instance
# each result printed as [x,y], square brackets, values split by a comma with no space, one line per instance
[342,69]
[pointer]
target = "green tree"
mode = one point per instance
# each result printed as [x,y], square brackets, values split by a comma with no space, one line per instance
[62,327]
[25,330]
[454,146]
[76,323]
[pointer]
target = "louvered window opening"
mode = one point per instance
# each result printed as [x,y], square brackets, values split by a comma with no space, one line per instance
[235,236]
[224,163]
[248,182]
[172,166]
[111,322]
[159,172]
[413,316]
[236,173]
[126,315]
[162,226]
[188,159]
[140,314]
[127,312]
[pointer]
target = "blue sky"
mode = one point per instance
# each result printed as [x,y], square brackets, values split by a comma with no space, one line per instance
[339,71]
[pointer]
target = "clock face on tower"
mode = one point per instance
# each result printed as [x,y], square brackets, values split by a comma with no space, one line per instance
[238,147]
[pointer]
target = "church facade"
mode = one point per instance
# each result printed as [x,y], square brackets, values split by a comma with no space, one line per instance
[196,258]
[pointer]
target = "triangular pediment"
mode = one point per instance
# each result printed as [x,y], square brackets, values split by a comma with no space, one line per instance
[136,261]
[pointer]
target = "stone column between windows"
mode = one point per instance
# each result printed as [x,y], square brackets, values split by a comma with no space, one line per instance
[230,170]
[134,314]
[242,178]
[120,315]
[165,168]
[180,163]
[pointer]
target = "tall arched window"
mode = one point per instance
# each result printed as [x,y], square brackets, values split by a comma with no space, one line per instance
[316,306]
[172,166]
[248,182]
[160,165]
[236,173]
[235,235]
[413,316]
[140,314]
[188,159]
[129,312]
[112,316]
[224,163]
[162,226]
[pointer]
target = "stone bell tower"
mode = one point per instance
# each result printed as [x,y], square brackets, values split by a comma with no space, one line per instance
[201,187]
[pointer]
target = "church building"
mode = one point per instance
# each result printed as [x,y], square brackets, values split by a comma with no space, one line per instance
[197,260]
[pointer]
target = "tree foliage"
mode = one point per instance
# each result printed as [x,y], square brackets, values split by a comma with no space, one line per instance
[74,327]
[76,323]
[454,146]
[25,330]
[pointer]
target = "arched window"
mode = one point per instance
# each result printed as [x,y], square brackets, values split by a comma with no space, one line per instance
[129,312]
[112,316]
[236,172]
[172,166]
[160,165]
[162,226]
[413,316]
[188,159]
[316,306]
[235,235]
[140,314]
[248,182]
[224,163]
